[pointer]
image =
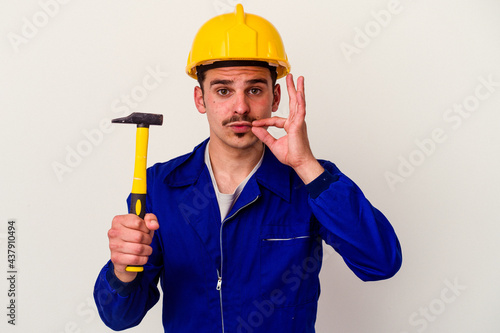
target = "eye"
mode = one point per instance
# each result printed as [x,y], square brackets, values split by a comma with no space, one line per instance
[255,91]
[223,91]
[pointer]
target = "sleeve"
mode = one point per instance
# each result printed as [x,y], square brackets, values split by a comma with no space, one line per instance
[359,232]
[124,305]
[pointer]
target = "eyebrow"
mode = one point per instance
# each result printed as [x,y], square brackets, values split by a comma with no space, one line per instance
[230,82]
[223,82]
[254,81]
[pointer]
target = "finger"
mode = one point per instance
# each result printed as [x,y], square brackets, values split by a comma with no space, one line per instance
[263,135]
[130,235]
[300,84]
[292,92]
[273,121]
[121,260]
[296,99]
[130,221]
[301,98]
[151,223]
[136,249]
[290,86]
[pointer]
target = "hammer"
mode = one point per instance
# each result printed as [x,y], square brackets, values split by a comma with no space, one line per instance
[139,184]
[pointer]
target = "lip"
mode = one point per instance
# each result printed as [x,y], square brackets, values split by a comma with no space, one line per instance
[240,126]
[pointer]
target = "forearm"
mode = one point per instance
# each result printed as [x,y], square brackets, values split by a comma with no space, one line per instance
[357,230]
[309,170]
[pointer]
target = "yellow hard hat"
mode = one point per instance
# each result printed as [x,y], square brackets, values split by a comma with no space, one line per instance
[238,36]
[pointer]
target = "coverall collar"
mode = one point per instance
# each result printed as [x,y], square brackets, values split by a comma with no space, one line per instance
[272,174]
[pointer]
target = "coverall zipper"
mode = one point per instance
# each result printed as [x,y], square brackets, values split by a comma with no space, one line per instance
[219,274]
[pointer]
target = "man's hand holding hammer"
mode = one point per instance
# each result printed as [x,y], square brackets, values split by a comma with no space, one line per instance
[129,242]
[131,235]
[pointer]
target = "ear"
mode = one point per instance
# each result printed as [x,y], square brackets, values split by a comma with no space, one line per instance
[198,100]
[276,97]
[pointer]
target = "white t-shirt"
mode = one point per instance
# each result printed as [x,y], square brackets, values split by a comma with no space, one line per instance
[226,201]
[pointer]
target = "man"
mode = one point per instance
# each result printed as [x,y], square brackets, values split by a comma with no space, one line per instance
[235,228]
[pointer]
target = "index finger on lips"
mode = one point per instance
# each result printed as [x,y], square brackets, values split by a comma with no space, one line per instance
[273,121]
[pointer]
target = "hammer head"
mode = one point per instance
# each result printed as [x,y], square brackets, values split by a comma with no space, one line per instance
[141,119]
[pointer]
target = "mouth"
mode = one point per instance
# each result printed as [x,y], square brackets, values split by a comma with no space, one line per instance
[240,126]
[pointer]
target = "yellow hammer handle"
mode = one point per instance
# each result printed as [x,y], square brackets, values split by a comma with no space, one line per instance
[139,184]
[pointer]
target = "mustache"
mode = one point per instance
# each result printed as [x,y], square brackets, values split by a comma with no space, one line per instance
[237,118]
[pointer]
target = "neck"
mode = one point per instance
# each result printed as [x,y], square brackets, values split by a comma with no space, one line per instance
[232,166]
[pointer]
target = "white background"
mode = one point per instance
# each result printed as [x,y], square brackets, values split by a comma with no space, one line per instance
[377,88]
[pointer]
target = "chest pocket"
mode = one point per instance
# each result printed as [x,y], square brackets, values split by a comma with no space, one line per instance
[290,261]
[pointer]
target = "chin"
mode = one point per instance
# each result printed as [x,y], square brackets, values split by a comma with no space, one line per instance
[245,140]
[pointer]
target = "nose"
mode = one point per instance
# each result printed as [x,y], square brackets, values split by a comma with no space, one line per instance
[241,105]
